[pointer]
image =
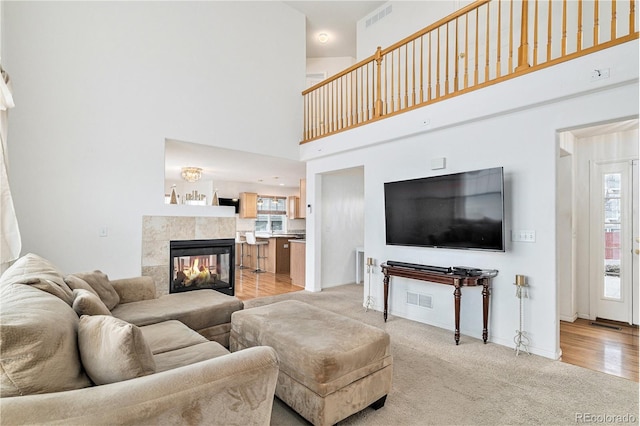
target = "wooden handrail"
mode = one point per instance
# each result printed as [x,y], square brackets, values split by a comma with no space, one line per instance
[434,64]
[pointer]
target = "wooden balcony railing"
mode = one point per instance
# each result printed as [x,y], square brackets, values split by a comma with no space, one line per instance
[472,48]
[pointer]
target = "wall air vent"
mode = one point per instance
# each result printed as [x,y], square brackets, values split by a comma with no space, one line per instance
[378,16]
[418,299]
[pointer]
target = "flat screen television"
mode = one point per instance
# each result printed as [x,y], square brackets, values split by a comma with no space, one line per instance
[459,211]
[235,202]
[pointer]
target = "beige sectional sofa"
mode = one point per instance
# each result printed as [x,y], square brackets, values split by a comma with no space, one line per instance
[81,349]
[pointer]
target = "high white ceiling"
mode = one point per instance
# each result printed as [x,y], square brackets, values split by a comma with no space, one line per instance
[338,20]
[221,164]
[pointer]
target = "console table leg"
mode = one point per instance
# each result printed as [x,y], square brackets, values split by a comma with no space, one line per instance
[456,297]
[386,295]
[485,310]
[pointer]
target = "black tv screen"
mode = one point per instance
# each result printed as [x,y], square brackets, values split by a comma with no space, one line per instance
[235,202]
[459,211]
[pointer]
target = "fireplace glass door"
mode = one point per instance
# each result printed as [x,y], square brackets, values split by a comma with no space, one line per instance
[202,264]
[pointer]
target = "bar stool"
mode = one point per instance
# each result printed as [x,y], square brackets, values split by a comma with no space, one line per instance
[241,241]
[251,240]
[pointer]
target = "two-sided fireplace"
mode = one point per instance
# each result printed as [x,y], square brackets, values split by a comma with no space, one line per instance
[202,264]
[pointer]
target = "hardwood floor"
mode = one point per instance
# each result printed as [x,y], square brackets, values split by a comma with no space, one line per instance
[250,285]
[600,348]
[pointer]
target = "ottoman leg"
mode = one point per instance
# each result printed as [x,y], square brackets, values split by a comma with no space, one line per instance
[379,403]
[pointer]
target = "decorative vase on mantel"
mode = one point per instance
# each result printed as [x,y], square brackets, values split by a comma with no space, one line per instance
[214,201]
[174,198]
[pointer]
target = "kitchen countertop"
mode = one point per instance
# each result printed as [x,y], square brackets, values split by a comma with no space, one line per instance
[298,241]
[268,235]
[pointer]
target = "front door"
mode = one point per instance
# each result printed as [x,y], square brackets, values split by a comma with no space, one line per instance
[613,275]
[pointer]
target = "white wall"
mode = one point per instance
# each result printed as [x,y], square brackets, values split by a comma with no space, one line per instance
[406,18]
[329,66]
[100,86]
[342,225]
[485,128]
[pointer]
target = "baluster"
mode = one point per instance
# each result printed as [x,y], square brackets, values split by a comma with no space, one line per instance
[477,57]
[510,70]
[392,86]
[487,77]
[535,35]
[406,76]
[466,50]
[421,69]
[579,35]
[446,62]
[614,30]
[564,28]
[499,47]
[455,60]
[361,95]
[429,76]
[438,65]
[399,84]
[549,14]
[366,88]
[632,16]
[354,97]
[413,73]
[596,22]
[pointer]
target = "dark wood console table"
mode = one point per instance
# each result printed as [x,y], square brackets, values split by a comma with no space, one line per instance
[457,281]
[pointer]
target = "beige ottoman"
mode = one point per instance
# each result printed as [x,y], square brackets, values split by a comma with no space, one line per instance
[331,366]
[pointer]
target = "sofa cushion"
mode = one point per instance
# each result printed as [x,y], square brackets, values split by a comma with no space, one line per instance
[198,309]
[88,303]
[39,352]
[38,272]
[112,350]
[170,335]
[99,281]
[189,355]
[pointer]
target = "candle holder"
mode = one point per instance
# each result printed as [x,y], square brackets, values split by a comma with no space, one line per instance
[369,302]
[520,339]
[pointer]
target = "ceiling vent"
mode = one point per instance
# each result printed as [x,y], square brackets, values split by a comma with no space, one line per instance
[378,16]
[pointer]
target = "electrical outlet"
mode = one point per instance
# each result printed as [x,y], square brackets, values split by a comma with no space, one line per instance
[523,236]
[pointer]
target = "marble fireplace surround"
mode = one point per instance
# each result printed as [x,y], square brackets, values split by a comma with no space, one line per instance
[158,231]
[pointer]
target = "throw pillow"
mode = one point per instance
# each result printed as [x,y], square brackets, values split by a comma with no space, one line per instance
[38,272]
[88,303]
[99,281]
[113,350]
[76,283]
[39,341]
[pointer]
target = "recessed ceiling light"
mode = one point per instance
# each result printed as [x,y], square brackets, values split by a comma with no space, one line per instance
[323,38]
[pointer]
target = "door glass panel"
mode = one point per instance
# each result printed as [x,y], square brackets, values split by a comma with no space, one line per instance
[612,250]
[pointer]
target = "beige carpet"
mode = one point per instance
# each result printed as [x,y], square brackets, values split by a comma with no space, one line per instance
[436,382]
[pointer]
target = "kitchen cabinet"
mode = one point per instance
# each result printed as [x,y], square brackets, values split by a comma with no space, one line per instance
[303,199]
[293,212]
[298,266]
[278,257]
[248,205]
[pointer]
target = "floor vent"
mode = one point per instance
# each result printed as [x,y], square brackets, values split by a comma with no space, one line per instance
[418,299]
[599,324]
[378,16]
